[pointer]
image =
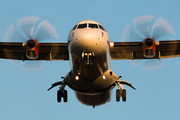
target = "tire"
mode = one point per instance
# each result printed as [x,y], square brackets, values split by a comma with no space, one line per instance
[117,95]
[65,96]
[59,95]
[124,95]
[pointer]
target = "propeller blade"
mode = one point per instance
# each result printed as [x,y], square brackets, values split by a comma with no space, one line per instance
[152,64]
[27,26]
[135,62]
[143,25]
[13,34]
[130,35]
[162,28]
[32,65]
[45,31]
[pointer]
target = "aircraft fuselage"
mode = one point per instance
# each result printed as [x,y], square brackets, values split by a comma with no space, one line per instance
[91,76]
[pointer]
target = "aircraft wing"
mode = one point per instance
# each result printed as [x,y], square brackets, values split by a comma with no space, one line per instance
[47,51]
[134,50]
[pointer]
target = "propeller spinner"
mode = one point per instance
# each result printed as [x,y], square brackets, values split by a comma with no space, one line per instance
[32,49]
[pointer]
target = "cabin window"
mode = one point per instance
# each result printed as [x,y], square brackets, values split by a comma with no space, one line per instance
[82,26]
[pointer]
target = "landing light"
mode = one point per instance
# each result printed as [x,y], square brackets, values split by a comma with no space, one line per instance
[104,77]
[77,77]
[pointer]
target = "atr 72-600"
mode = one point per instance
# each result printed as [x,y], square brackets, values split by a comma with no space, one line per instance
[90,53]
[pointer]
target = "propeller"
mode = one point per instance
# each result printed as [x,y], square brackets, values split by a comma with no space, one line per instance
[30,27]
[144,27]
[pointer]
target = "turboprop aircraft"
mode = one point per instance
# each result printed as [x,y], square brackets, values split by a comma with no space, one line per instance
[89,51]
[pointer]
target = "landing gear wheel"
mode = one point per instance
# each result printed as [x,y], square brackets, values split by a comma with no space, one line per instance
[65,96]
[59,95]
[117,95]
[124,95]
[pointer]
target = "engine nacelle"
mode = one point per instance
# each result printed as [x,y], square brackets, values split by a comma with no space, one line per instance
[32,49]
[149,48]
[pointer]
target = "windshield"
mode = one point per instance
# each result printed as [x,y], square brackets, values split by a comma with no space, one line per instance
[101,27]
[88,25]
[93,25]
[74,27]
[82,26]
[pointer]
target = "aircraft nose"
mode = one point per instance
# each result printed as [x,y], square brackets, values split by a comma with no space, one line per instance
[87,41]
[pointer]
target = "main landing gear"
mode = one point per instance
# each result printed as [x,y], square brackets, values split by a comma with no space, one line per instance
[121,92]
[61,93]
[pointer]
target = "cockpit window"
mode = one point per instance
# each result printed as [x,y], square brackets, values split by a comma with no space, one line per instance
[74,27]
[82,26]
[101,27]
[93,25]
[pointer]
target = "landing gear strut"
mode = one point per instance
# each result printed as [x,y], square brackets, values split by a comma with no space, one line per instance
[61,93]
[121,92]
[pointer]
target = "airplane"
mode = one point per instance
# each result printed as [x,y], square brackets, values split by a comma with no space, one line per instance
[90,52]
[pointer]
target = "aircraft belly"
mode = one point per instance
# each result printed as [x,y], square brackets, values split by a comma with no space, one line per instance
[94,100]
[93,85]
